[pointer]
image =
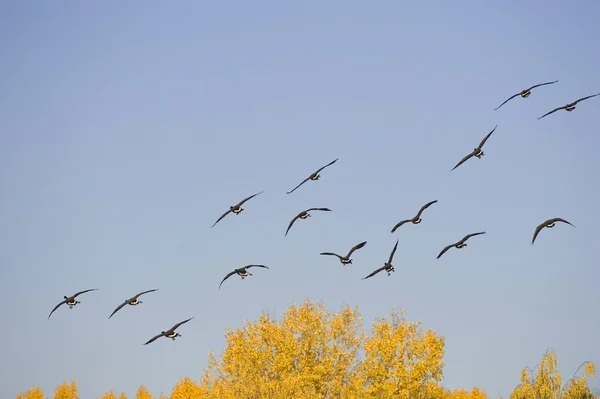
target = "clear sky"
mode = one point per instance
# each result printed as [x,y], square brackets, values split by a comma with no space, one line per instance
[128,128]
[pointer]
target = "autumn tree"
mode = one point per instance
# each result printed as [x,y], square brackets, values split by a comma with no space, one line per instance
[545,381]
[66,391]
[187,389]
[111,395]
[143,393]
[35,393]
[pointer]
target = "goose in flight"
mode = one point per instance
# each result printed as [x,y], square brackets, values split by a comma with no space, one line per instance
[346,259]
[313,176]
[133,301]
[569,107]
[387,266]
[304,215]
[550,223]
[416,219]
[477,152]
[236,209]
[460,244]
[525,93]
[70,300]
[242,272]
[170,333]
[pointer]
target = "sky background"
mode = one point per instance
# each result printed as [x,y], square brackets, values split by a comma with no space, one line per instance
[128,128]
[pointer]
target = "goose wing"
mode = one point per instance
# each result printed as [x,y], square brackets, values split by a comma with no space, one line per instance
[465,159]
[249,266]
[400,223]
[486,138]
[308,178]
[393,252]
[318,209]
[507,100]
[154,338]
[219,219]
[541,84]
[465,238]
[303,181]
[330,253]
[357,246]
[374,273]
[329,164]
[292,222]
[56,307]
[559,220]
[227,276]
[445,249]
[83,292]
[249,198]
[585,98]
[553,111]
[537,231]
[117,309]
[143,292]
[427,205]
[172,329]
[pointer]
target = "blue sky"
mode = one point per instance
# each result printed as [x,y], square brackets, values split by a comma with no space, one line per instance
[128,128]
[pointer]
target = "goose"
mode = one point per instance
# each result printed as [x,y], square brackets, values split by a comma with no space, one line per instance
[304,215]
[242,272]
[133,301]
[70,300]
[346,259]
[313,176]
[460,244]
[550,223]
[416,219]
[170,333]
[570,106]
[387,266]
[477,152]
[525,93]
[236,209]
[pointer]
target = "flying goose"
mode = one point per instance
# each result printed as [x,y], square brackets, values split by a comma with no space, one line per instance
[461,244]
[133,301]
[477,152]
[70,300]
[550,223]
[416,219]
[525,93]
[242,272]
[346,259]
[170,333]
[569,107]
[314,176]
[304,215]
[236,209]
[387,266]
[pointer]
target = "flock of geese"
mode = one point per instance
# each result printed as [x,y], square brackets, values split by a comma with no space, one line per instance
[236,209]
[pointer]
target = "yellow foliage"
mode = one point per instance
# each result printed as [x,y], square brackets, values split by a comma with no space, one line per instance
[66,391]
[143,393]
[35,393]
[187,389]
[112,395]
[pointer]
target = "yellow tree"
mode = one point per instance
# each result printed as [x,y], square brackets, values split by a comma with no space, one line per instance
[66,391]
[35,393]
[109,395]
[143,393]
[401,358]
[464,394]
[187,389]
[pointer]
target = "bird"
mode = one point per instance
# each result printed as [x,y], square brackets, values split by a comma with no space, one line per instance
[416,219]
[242,272]
[387,266]
[133,301]
[170,333]
[313,176]
[460,244]
[70,300]
[304,215]
[477,152]
[236,209]
[346,259]
[569,107]
[525,93]
[550,223]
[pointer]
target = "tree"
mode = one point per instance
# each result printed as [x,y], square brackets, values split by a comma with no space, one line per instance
[143,393]
[187,389]
[35,393]
[66,391]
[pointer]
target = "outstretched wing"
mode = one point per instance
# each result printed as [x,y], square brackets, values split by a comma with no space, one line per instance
[427,205]
[465,238]
[249,266]
[219,219]
[445,249]
[117,309]
[144,292]
[465,159]
[330,253]
[318,209]
[226,277]
[537,231]
[308,178]
[486,138]
[374,273]
[180,323]
[303,181]
[561,220]
[329,164]
[507,100]
[585,98]
[542,84]
[292,222]
[56,307]
[83,292]
[153,339]
[400,223]
[357,246]
[393,252]
[553,111]
[249,198]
